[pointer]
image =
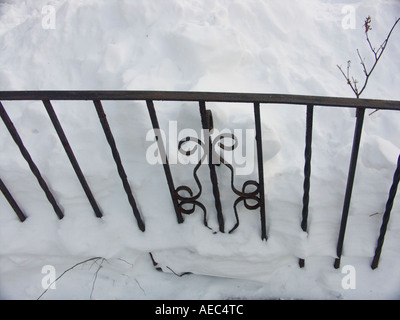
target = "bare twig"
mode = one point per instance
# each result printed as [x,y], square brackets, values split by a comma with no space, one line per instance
[347,76]
[371,113]
[374,214]
[95,277]
[126,261]
[377,55]
[140,286]
[144,292]
[69,269]
[362,63]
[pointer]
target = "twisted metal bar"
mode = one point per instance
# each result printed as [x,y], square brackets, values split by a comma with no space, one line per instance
[71,157]
[35,170]
[307,172]
[386,215]
[350,182]
[167,169]
[118,162]
[12,201]
[207,124]
[260,164]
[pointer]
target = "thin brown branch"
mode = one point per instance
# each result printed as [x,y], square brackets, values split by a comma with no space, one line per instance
[377,55]
[371,113]
[69,269]
[144,292]
[95,277]
[355,86]
[348,80]
[370,46]
[362,63]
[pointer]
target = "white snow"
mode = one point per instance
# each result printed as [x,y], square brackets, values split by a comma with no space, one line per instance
[235,46]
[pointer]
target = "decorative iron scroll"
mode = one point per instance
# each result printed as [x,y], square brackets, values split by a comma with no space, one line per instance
[246,196]
[191,198]
[250,198]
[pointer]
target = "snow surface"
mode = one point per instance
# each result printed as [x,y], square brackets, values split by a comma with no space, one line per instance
[240,46]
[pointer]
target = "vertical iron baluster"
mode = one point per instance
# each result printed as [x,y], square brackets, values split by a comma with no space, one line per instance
[12,201]
[350,180]
[71,156]
[14,133]
[260,163]
[386,215]
[118,162]
[205,122]
[167,169]
[307,172]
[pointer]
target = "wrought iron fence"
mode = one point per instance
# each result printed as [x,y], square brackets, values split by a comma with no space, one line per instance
[183,198]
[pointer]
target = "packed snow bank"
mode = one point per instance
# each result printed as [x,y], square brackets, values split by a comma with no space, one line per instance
[249,46]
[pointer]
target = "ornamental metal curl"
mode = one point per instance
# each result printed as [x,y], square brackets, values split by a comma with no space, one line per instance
[243,195]
[192,198]
[186,196]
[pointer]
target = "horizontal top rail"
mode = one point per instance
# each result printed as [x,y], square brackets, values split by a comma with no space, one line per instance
[201,96]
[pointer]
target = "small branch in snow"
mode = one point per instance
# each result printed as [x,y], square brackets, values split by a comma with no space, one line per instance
[69,269]
[131,264]
[126,262]
[99,266]
[140,286]
[374,214]
[95,276]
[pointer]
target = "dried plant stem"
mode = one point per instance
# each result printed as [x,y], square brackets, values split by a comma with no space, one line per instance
[377,55]
[69,269]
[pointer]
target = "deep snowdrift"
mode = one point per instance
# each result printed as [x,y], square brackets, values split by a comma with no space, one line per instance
[249,46]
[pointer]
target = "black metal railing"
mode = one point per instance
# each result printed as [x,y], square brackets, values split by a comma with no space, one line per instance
[184,200]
